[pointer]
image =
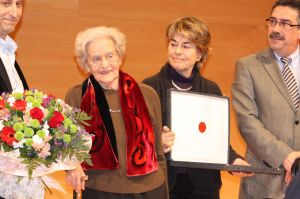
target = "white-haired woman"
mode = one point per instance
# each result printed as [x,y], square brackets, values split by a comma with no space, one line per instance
[128,162]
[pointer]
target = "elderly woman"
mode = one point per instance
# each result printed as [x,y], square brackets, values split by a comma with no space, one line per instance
[128,159]
[188,42]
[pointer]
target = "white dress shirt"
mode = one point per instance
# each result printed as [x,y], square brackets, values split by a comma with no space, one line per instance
[7,55]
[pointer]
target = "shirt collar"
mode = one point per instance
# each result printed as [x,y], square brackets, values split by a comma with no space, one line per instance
[8,45]
[294,56]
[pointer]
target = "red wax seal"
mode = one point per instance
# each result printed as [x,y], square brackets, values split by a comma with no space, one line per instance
[202,127]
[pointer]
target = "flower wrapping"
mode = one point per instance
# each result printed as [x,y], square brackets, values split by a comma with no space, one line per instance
[39,135]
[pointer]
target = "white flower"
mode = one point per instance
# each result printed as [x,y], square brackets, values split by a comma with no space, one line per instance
[37,140]
[19,144]
[46,126]
[59,101]
[45,111]
[46,132]
[26,119]
[11,101]
[1,125]
[28,106]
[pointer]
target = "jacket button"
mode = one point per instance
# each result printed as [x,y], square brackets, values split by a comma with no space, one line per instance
[297,122]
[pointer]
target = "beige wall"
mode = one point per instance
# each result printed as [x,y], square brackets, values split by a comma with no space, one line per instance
[48,29]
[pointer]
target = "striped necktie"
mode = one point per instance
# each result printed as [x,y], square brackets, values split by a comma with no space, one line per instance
[290,80]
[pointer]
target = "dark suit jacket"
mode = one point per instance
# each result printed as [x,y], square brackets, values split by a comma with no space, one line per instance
[5,85]
[203,180]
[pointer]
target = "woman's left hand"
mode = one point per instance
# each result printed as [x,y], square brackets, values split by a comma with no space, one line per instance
[168,138]
[239,161]
[76,178]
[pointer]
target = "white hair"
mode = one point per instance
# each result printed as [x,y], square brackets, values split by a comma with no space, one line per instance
[85,37]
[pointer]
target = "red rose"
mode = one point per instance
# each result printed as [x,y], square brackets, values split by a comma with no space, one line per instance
[7,135]
[37,113]
[20,105]
[56,119]
[2,104]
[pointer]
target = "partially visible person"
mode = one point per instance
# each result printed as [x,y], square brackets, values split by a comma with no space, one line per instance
[11,76]
[266,99]
[293,191]
[188,42]
[127,152]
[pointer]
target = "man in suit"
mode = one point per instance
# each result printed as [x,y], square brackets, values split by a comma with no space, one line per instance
[266,99]
[11,76]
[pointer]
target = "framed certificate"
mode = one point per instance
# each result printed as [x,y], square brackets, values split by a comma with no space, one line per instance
[201,124]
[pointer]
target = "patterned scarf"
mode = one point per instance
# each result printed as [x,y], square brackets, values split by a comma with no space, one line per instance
[140,144]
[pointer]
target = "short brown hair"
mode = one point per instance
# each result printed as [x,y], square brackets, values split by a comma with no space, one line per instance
[195,30]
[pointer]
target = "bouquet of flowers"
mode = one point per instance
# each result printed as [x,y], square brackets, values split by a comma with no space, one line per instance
[39,134]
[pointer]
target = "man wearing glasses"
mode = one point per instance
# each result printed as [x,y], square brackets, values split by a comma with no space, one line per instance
[266,99]
[11,76]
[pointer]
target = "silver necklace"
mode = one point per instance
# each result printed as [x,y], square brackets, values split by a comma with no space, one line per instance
[181,89]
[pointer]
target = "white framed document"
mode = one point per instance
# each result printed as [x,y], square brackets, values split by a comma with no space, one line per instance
[201,125]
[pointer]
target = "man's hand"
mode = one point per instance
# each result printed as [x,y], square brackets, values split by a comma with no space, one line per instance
[288,163]
[239,161]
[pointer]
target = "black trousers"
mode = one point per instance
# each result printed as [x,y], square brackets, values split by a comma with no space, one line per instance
[184,189]
[158,193]
[293,190]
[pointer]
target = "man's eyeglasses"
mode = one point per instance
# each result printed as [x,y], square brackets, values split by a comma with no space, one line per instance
[285,25]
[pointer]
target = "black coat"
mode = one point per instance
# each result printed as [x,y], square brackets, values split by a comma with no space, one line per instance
[5,85]
[203,180]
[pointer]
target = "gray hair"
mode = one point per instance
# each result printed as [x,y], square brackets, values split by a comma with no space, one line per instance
[85,37]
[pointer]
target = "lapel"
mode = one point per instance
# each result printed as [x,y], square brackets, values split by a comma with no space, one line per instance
[4,77]
[268,60]
[18,69]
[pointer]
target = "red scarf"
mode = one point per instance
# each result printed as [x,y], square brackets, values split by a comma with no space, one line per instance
[140,144]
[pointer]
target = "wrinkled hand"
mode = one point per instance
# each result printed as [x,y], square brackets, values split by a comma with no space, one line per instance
[168,138]
[76,178]
[239,161]
[288,163]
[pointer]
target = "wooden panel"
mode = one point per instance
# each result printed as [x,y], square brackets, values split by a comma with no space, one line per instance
[47,32]
[221,11]
[50,8]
